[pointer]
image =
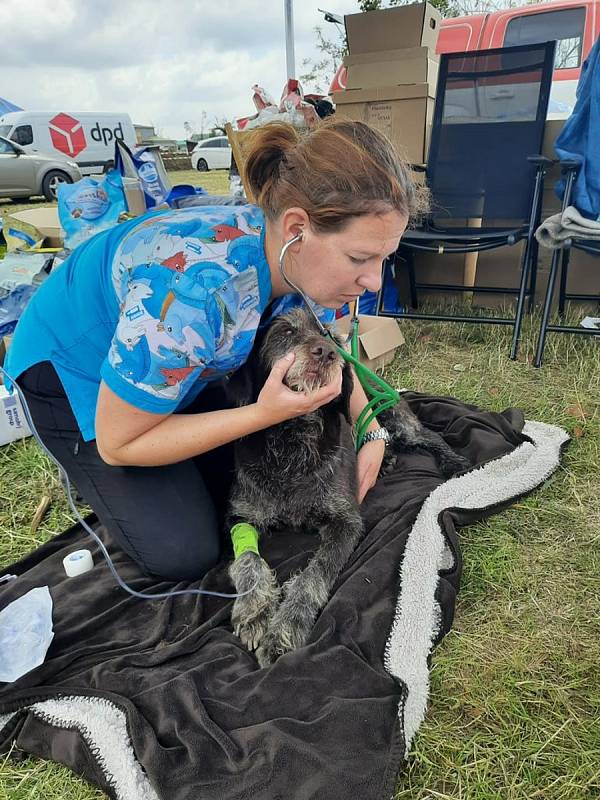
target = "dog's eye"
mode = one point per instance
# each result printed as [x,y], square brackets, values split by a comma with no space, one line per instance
[288,331]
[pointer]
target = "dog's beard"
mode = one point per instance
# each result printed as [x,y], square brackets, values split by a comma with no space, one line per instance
[307,376]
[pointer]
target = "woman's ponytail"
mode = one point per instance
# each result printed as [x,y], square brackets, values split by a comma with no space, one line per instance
[339,170]
[264,150]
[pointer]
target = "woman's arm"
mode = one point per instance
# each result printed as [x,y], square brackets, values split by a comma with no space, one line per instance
[127,436]
[370,455]
[358,400]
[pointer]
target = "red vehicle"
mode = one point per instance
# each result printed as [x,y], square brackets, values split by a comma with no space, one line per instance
[575,24]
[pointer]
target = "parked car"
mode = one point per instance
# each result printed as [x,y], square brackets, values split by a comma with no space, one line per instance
[214,153]
[25,174]
[86,137]
[575,24]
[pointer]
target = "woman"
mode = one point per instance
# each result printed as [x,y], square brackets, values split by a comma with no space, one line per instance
[120,351]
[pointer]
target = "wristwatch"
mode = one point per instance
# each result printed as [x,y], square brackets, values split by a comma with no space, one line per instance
[378,433]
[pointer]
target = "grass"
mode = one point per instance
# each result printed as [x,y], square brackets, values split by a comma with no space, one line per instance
[214,181]
[515,698]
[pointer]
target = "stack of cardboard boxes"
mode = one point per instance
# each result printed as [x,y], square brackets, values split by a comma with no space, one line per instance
[392,70]
[391,84]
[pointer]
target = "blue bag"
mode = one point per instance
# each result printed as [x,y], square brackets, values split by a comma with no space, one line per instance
[12,305]
[146,164]
[90,206]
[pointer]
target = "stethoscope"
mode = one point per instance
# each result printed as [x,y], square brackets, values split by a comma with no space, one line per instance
[380,394]
[296,288]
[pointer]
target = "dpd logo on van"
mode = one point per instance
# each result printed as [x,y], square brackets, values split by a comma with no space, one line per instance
[67,135]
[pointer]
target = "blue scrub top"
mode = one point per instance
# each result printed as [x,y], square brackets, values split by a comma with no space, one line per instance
[156,307]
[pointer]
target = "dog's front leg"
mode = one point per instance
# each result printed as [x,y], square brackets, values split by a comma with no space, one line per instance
[252,612]
[306,593]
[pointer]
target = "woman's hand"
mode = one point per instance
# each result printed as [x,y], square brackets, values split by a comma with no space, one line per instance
[279,403]
[369,459]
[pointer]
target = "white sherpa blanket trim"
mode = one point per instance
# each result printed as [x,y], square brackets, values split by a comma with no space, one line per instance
[103,726]
[417,617]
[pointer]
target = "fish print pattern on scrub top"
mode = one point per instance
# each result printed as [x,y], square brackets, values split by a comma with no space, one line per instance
[191,286]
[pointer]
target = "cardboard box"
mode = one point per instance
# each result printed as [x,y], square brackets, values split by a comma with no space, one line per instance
[415,25]
[134,196]
[46,221]
[378,338]
[552,129]
[403,113]
[501,267]
[391,68]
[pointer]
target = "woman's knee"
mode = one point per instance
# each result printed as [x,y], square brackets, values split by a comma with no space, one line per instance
[186,558]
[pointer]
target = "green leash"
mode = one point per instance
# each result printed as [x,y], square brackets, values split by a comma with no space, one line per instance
[380,394]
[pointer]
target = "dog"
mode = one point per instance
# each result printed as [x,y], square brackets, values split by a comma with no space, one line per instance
[302,473]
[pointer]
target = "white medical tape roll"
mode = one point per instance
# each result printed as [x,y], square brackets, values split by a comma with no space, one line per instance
[78,562]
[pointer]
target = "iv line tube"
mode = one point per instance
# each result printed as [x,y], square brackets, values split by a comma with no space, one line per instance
[67,487]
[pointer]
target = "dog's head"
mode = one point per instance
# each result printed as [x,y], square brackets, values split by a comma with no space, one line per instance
[316,362]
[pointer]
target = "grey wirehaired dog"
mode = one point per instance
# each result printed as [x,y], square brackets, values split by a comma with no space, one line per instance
[302,473]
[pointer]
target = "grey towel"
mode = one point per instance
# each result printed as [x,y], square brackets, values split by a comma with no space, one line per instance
[568,224]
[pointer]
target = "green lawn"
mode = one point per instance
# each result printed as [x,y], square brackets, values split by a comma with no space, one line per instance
[515,702]
[215,182]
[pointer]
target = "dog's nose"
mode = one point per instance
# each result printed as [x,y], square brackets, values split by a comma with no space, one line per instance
[323,352]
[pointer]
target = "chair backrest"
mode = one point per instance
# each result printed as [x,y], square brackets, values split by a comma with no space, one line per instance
[489,116]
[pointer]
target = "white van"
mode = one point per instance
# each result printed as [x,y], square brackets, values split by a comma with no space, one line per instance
[86,137]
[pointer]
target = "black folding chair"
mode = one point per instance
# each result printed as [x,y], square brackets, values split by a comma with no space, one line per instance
[563,255]
[484,164]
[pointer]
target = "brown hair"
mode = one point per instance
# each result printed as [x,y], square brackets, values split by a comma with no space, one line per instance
[339,170]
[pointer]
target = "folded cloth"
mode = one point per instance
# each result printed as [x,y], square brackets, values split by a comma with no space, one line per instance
[578,140]
[568,224]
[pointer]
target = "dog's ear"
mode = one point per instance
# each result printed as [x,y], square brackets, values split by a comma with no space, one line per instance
[244,385]
[346,393]
[240,386]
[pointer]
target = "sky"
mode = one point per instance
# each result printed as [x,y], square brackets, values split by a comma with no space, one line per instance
[162,61]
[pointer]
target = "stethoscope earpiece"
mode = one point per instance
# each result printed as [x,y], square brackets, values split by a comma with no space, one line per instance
[293,286]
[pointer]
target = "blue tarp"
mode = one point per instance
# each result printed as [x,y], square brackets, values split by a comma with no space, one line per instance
[6,106]
[579,139]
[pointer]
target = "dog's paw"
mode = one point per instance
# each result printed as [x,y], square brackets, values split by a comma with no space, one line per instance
[251,620]
[284,634]
[252,613]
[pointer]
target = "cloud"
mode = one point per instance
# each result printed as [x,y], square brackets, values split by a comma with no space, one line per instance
[162,63]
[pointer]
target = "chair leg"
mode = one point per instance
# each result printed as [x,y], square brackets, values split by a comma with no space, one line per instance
[412,282]
[525,270]
[564,272]
[385,269]
[533,281]
[541,343]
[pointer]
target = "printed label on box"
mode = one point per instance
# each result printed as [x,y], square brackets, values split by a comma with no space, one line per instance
[379,115]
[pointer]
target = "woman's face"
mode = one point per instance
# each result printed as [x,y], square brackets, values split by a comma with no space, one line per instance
[336,268]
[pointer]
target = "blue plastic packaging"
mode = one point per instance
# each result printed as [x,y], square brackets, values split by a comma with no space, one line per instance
[90,206]
[146,164]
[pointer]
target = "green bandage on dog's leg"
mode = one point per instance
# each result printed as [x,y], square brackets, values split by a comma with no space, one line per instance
[244,537]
